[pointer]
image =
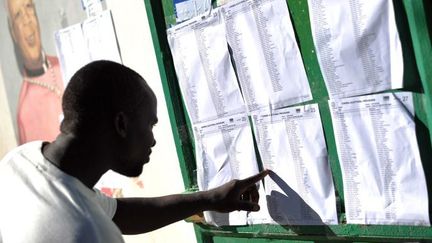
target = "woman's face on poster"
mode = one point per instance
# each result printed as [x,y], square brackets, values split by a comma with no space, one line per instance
[25,31]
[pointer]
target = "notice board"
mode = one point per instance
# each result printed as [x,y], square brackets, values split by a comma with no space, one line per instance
[414,24]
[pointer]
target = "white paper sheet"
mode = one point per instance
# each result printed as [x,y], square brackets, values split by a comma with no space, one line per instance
[92,7]
[291,144]
[267,59]
[187,9]
[384,182]
[204,70]
[101,39]
[224,151]
[358,46]
[79,44]
[72,50]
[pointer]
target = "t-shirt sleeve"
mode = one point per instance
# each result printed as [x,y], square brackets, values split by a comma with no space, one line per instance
[108,204]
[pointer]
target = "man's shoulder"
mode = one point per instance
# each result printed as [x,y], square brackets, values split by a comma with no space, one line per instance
[47,204]
[31,148]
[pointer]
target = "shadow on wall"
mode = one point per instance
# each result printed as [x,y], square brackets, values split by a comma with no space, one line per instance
[292,209]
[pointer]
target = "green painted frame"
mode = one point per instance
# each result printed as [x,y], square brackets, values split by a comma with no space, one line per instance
[414,23]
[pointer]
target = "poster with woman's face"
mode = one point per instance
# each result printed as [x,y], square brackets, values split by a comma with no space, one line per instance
[31,71]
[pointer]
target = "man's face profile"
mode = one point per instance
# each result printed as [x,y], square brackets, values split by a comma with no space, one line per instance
[25,31]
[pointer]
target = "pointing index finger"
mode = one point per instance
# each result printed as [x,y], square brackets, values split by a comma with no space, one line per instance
[255,178]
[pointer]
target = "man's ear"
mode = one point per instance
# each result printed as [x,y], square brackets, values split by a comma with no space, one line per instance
[121,124]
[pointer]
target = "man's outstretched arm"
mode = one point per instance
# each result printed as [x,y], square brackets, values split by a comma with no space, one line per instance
[140,215]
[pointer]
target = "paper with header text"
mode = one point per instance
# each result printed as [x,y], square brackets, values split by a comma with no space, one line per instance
[291,143]
[384,182]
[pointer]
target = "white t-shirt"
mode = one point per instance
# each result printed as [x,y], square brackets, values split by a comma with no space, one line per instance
[41,204]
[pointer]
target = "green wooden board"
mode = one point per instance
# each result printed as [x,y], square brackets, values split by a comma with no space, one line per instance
[414,22]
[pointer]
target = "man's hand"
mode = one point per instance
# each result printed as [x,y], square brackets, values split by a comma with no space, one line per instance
[236,195]
[140,215]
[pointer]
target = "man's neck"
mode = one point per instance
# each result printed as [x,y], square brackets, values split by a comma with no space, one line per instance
[76,158]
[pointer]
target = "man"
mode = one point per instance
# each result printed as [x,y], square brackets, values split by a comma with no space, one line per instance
[39,104]
[109,112]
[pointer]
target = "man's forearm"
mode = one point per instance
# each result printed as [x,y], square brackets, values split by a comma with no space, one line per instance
[140,215]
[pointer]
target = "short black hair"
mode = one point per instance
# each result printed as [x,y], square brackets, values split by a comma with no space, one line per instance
[98,91]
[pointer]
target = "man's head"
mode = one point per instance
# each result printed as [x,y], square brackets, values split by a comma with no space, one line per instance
[25,31]
[112,105]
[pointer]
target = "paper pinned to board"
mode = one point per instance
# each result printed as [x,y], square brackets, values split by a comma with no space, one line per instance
[300,189]
[188,9]
[79,44]
[204,70]
[224,151]
[92,7]
[268,62]
[384,181]
[101,39]
[357,45]
[72,50]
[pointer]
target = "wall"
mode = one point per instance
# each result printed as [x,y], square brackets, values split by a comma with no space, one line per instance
[7,139]
[162,175]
